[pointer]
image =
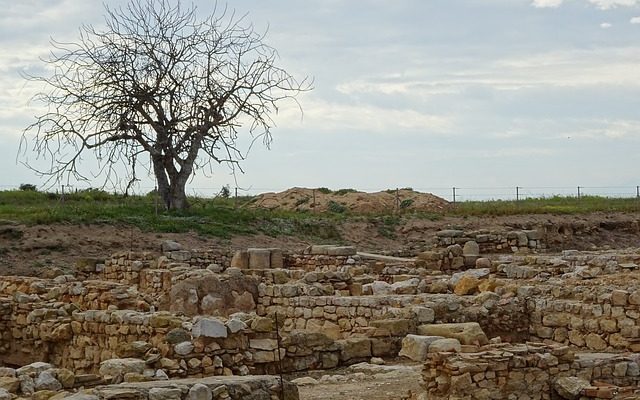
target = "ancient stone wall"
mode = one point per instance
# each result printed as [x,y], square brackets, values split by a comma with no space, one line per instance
[508,371]
[495,242]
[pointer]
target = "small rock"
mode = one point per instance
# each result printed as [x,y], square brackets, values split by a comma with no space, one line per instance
[183,348]
[46,381]
[170,245]
[570,387]
[305,381]
[376,361]
[199,392]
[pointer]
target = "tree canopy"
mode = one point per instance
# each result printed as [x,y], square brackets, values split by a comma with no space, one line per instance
[158,89]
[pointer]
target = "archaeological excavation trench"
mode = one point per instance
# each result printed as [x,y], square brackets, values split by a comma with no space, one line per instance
[485,315]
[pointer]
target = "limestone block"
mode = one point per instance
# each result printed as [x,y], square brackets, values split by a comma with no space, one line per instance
[449,233]
[471,249]
[259,258]
[235,325]
[180,255]
[4,395]
[445,345]
[177,335]
[210,328]
[10,384]
[341,251]
[10,372]
[165,394]
[240,259]
[468,284]
[619,297]
[569,387]
[33,368]
[416,347]
[423,315]
[121,366]
[354,348]
[276,258]
[170,245]
[466,332]
[183,348]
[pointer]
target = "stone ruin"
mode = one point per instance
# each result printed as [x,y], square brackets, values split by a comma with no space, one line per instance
[487,316]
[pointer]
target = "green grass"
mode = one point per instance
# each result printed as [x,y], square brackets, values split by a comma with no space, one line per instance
[215,217]
[547,205]
[222,217]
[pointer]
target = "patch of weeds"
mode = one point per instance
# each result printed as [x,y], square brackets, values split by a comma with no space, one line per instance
[406,203]
[342,192]
[324,190]
[302,201]
[336,207]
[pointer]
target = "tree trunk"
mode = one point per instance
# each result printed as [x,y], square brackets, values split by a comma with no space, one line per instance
[177,195]
[171,187]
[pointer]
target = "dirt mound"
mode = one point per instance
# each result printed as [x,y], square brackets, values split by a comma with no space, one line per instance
[302,199]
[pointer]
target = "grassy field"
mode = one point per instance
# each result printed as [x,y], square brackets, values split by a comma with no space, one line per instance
[224,217]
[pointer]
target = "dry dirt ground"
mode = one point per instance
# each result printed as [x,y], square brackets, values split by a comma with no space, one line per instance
[392,382]
[40,249]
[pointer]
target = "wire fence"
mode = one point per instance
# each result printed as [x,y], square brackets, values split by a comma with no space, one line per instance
[453,194]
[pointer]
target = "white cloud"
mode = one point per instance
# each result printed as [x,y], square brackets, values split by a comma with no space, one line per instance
[601,4]
[635,20]
[609,4]
[324,115]
[547,3]
[605,25]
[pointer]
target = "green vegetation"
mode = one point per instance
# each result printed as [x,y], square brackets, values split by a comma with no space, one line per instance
[342,192]
[215,217]
[225,217]
[546,205]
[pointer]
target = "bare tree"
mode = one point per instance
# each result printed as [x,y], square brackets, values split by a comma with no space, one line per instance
[158,87]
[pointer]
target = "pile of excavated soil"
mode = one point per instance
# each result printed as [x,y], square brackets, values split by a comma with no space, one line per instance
[302,199]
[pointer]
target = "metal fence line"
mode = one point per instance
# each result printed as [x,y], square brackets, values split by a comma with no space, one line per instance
[453,193]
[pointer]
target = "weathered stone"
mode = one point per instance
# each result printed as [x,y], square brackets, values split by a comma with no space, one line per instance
[468,284]
[467,332]
[10,384]
[65,377]
[235,325]
[304,381]
[165,394]
[445,345]
[46,381]
[424,314]
[4,395]
[471,249]
[177,335]
[209,327]
[595,342]
[354,348]
[135,349]
[170,245]
[10,372]
[183,348]
[240,259]
[570,387]
[33,368]
[259,258]
[416,347]
[121,366]
[199,392]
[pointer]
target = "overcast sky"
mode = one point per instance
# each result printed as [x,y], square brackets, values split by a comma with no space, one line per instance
[426,94]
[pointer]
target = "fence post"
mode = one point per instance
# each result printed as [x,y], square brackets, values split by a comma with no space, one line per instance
[235,202]
[313,205]
[397,200]
[578,192]
[517,193]
[637,192]
[454,195]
